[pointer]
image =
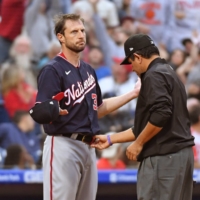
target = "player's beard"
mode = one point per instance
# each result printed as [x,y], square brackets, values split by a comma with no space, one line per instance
[74,48]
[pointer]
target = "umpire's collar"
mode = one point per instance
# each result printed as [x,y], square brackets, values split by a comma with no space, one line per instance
[155,61]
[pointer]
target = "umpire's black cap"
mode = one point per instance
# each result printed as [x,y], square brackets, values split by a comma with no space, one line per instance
[45,112]
[134,43]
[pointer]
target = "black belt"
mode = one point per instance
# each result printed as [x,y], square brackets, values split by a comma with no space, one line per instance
[88,139]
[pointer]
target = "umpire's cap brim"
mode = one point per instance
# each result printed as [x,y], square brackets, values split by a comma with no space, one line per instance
[125,61]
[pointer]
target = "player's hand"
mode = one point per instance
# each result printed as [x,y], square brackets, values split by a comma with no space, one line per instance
[137,87]
[59,97]
[63,111]
[100,142]
[133,151]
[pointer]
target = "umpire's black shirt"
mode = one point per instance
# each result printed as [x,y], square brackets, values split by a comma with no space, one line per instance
[162,102]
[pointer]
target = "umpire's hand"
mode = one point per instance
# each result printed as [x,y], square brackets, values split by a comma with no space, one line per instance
[133,151]
[100,142]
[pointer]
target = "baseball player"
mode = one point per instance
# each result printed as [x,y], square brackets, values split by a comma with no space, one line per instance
[69,163]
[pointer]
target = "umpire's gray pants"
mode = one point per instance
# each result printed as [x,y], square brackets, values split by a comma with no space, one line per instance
[167,177]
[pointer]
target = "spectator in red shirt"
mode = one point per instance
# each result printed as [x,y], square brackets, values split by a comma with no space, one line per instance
[17,94]
[11,22]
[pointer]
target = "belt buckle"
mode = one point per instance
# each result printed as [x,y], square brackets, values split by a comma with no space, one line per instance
[84,140]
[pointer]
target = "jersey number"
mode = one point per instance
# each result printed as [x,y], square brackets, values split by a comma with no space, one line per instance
[94,96]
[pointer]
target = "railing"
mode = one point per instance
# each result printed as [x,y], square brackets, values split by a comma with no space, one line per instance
[104,176]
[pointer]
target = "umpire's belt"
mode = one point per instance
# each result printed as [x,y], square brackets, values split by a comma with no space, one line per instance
[88,139]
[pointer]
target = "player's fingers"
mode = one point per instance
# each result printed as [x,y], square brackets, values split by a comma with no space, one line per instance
[63,112]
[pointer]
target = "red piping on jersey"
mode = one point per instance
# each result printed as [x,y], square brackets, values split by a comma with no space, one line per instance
[62,55]
[37,102]
[51,169]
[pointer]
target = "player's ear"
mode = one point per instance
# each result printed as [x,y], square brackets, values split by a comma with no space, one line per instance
[60,37]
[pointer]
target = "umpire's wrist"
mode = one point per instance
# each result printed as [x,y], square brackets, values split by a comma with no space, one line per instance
[109,140]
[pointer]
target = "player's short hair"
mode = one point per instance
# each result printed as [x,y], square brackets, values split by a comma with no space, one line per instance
[60,20]
[147,52]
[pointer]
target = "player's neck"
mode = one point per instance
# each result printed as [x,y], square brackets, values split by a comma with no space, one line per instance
[72,57]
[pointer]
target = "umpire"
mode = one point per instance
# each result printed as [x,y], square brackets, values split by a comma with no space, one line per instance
[161,133]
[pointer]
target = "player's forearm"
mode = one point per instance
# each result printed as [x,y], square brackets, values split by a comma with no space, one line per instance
[111,104]
[148,132]
[124,136]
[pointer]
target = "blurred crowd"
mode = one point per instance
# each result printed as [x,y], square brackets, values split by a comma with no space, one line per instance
[28,42]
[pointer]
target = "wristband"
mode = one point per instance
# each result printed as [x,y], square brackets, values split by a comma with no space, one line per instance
[109,141]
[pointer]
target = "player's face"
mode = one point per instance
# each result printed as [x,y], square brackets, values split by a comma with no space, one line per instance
[74,35]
